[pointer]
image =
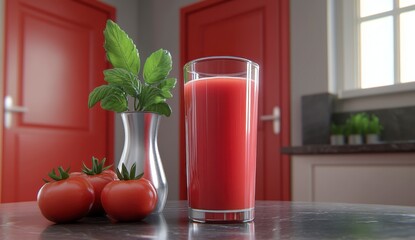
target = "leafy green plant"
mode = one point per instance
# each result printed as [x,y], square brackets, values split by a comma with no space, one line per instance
[373,126]
[336,129]
[356,124]
[124,84]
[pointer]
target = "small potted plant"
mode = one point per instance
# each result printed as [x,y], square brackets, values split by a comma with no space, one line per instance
[355,128]
[337,134]
[373,130]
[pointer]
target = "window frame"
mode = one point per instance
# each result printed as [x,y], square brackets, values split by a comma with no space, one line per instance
[348,51]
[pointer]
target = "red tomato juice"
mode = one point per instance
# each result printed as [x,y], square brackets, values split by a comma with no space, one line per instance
[221,125]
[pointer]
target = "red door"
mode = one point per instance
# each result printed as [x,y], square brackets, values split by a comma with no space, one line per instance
[257,30]
[54,57]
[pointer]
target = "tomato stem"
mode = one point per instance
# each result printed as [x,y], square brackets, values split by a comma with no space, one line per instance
[97,167]
[63,174]
[128,175]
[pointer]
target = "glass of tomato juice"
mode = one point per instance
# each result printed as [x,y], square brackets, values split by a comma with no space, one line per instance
[221,111]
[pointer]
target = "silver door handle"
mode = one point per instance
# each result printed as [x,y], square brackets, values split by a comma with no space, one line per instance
[275,117]
[9,109]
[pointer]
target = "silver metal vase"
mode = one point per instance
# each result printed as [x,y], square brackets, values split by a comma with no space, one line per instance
[140,147]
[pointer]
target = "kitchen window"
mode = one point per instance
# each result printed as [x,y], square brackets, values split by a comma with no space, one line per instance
[378,47]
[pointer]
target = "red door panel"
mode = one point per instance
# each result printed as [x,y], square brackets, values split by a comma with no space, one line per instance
[48,63]
[54,57]
[254,30]
[63,51]
[234,34]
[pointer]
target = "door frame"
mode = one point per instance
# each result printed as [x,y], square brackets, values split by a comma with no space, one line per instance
[111,14]
[283,46]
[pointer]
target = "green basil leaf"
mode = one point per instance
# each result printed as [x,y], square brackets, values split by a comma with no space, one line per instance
[149,95]
[115,102]
[157,66]
[166,94]
[160,108]
[167,84]
[124,79]
[98,94]
[121,50]
[123,82]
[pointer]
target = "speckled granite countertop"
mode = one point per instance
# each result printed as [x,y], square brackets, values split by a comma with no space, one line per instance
[398,147]
[274,220]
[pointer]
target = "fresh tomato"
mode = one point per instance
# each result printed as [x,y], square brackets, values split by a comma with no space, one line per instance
[131,198]
[66,199]
[99,176]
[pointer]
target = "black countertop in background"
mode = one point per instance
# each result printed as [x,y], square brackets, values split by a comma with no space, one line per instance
[397,147]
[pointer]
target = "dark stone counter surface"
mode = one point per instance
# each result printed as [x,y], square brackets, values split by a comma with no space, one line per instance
[399,147]
[274,220]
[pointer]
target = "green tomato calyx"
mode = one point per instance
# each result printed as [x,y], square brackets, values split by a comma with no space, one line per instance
[128,175]
[62,174]
[97,167]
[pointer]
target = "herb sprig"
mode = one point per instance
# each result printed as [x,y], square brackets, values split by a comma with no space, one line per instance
[124,84]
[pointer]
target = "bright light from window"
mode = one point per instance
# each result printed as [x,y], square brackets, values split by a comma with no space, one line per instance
[370,7]
[407,47]
[376,54]
[406,3]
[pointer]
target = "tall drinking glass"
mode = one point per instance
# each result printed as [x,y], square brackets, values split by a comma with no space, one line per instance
[221,99]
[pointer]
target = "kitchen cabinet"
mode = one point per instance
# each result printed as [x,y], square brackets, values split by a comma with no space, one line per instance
[375,178]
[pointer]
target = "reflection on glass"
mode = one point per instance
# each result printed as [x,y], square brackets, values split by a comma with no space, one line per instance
[370,7]
[406,3]
[159,224]
[151,227]
[376,54]
[242,231]
[407,42]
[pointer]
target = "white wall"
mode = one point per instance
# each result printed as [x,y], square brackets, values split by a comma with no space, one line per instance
[154,24]
[309,66]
